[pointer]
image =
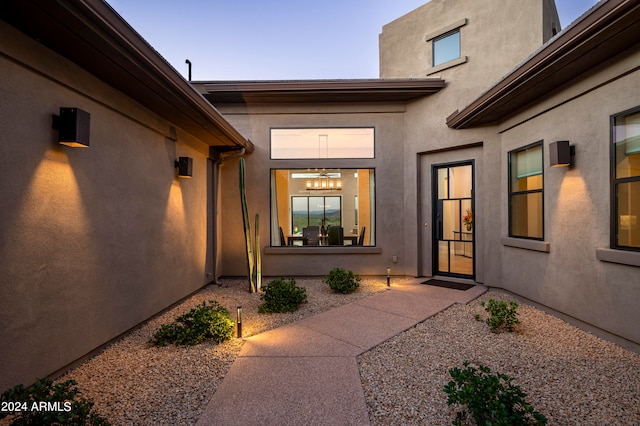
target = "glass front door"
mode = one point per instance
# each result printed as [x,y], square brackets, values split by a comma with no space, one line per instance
[454,218]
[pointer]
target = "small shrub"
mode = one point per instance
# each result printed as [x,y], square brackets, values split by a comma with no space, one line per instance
[342,281]
[47,404]
[501,314]
[282,295]
[204,322]
[490,399]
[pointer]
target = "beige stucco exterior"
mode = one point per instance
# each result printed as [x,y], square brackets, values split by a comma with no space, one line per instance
[93,241]
[570,278]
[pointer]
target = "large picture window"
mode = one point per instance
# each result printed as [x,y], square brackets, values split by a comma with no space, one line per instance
[626,180]
[322,207]
[526,182]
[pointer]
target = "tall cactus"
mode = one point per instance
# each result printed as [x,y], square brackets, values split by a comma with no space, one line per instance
[247,227]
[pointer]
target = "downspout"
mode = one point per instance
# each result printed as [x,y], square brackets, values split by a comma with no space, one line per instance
[217,160]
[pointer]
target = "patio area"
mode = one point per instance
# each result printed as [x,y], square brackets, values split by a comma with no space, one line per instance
[570,376]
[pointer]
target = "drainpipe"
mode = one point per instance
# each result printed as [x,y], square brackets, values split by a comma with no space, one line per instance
[217,161]
[222,159]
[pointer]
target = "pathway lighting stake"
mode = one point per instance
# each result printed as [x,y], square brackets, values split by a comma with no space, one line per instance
[388,277]
[239,321]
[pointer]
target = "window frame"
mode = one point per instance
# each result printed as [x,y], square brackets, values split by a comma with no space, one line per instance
[511,193]
[615,181]
[443,37]
[372,247]
[319,129]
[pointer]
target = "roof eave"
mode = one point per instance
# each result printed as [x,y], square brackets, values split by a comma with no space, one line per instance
[568,44]
[319,91]
[92,35]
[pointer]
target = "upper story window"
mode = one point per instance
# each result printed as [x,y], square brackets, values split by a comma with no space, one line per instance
[322,143]
[626,180]
[446,48]
[526,206]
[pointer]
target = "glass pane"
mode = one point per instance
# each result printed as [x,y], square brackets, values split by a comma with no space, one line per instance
[460,181]
[451,220]
[526,215]
[300,214]
[446,48]
[443,184]
[332,212]
[467,217]
[443,256]
[526,169]
[629,214]
[350,205]
[316,211]
[627,142]
[322,143]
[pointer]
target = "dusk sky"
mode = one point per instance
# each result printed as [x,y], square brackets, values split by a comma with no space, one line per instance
[276,39]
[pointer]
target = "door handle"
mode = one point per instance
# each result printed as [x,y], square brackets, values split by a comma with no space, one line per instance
[425,224]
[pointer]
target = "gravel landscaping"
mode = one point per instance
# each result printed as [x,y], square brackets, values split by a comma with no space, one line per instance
[134,383]
[570,376]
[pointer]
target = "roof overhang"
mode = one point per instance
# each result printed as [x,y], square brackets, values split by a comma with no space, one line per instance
[610,27]
[93,36]
[319,91]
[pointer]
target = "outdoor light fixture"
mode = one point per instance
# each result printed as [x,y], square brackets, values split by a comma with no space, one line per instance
[560,153]
[73,127]
[388,277]
[185,167]
[239,321]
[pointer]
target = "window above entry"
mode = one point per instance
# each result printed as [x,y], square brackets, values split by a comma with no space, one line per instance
[316,143]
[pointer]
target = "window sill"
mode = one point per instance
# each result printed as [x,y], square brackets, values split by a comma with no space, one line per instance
[454,63]
[622,257]
[541,246]
[304,250]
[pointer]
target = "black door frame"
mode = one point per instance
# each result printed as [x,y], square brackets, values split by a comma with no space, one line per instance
[435,222]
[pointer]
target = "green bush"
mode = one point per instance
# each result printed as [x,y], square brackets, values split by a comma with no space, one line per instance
[490,399]
[501,314]
[342,281]
[282,295]
[201,323]
[47,404]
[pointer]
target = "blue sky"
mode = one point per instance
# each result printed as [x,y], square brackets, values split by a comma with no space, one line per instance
[276,39]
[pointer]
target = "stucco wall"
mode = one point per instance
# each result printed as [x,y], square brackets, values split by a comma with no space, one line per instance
[496,37]
[387,121]
[577,204]
[92,241]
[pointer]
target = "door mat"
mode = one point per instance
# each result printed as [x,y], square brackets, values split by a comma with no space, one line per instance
[449,284]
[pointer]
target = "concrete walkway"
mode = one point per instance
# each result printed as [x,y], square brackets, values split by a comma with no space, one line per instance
[306,373]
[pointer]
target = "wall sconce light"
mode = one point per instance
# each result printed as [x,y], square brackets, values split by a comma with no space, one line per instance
[560,153]
[73,127]
[185,167]
[239,321]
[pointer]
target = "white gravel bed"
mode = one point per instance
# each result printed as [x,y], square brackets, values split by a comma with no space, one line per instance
[570,376]
[133,383]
